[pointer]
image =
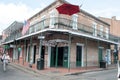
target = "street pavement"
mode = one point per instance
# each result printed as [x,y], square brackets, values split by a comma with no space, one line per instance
[14,73]
[96,75]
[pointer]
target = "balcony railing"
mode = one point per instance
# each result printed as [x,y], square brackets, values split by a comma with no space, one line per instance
[63,23]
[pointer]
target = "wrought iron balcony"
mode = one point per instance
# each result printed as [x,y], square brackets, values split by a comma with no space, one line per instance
[63,23]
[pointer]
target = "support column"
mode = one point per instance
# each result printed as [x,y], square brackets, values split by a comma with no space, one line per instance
[56,63]
[69,52]
[98,43]
[115,53]
[24,50]
[19,50]
[13,56]
[86,50]
[31,62]
[40,48]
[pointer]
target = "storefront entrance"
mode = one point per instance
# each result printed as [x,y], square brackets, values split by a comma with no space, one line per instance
[59,57]
[79,56]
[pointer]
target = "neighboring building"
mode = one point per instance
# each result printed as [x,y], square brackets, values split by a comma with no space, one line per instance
[1,46]
[114,28]
[10,34]
[114,25]
[80,40]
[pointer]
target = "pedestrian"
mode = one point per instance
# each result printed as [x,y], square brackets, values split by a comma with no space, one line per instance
[106,60]
[1,57]
[6,57]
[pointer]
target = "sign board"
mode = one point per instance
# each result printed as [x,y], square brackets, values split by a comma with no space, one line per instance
[41,37]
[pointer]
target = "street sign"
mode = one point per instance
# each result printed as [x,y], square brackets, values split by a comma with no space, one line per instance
[41,37]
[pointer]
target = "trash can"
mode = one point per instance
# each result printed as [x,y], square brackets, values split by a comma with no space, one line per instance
[30,64]
[40,64]
[102,64]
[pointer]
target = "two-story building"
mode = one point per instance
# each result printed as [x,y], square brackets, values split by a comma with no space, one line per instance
[114,30]
[80,40]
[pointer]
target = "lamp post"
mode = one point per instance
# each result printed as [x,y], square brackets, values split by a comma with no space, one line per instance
[40,46]
[40,61]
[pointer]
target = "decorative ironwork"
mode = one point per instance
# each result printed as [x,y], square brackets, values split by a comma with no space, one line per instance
[62,23]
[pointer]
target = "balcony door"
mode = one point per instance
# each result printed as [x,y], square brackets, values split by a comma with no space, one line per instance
[74,23]
[52,19]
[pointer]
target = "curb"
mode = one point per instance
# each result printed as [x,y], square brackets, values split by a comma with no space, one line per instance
[101,69]
[38,73]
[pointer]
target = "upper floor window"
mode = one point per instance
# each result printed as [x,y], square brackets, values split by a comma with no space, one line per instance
[34,21]
[107,33]
[94,26]
[101,31]
[43,21]
[52,19]
[31,30]
[74,19]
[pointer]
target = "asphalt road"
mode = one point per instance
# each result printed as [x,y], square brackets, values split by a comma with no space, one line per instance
[13,73]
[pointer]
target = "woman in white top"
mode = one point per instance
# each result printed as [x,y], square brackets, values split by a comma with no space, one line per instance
[6,57]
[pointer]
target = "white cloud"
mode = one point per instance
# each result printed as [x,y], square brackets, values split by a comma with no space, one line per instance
[11,12]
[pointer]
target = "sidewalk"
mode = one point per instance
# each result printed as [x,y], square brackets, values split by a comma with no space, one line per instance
[54,72]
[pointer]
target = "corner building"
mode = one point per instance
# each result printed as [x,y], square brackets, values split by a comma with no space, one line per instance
[80,40]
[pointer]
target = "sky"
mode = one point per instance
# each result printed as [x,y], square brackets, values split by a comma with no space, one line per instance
[20,10]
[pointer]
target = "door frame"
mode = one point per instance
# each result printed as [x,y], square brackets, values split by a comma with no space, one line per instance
[82,45]
[108,53]
[33,53]
[99,53]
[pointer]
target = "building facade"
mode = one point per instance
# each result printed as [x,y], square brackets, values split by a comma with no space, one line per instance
[114,29]
[59,40]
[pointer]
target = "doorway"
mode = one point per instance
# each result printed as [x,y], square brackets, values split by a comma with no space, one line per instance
[100,54]
[79,56]
[34,55]
[62,58]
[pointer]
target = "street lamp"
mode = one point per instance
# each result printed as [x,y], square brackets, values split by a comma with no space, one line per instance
[40,47]
[40,61]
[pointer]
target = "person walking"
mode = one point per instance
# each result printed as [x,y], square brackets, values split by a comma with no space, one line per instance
[106,61]
[5,60]
[6,57]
